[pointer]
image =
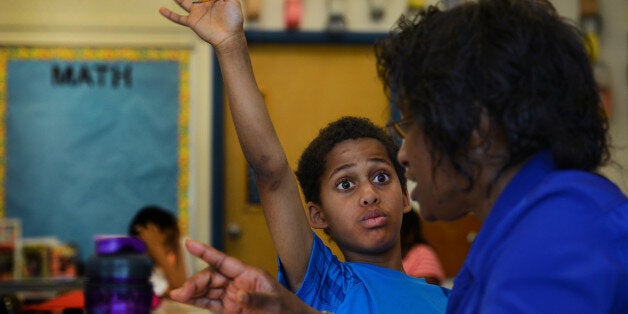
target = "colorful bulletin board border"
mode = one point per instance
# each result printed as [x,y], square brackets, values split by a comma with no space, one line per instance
[113,54]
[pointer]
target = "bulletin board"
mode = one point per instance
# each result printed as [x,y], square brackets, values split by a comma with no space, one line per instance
[89,136]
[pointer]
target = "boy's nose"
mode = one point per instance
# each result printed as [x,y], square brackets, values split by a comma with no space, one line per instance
[369,196]
[368,202]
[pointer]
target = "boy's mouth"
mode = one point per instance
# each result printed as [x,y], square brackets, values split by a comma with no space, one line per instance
[374,218]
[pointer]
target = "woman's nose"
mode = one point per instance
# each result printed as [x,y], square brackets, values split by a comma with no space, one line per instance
[402,155]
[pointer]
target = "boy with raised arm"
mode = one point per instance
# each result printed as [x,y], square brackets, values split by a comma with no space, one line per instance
[353,186]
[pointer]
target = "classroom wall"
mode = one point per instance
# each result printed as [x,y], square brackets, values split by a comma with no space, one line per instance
[357,13]
[126,24]
[136,23]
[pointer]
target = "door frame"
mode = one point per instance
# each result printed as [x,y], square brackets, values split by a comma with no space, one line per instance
[217,211]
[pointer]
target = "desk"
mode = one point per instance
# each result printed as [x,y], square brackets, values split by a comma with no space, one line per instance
[56,286]
[172,307]
[40,285]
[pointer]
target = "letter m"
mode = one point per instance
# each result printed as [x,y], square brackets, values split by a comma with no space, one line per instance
[63,76]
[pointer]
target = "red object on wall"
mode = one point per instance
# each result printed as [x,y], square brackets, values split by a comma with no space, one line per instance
[293,12]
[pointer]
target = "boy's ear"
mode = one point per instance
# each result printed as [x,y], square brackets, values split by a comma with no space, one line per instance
[407,205]
[316,215]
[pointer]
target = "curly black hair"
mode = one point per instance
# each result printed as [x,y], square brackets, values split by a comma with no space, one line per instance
[312,162]
[516,61]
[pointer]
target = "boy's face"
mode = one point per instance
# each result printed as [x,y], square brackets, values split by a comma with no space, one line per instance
[362,199]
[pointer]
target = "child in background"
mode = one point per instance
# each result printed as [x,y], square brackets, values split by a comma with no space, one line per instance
[418,257]
[354,190]
[158,228]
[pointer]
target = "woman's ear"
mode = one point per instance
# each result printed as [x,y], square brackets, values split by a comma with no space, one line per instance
[477,139]
[316,215]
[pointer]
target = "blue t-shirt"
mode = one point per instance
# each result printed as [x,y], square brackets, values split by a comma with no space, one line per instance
[556,241]
[345,287]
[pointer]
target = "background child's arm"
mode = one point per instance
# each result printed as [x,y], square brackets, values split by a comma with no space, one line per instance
[220,23]
[171,262]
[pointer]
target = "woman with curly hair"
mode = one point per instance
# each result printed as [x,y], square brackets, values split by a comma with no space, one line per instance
[501,119]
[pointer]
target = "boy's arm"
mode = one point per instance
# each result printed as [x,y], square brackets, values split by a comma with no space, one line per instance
[220,23]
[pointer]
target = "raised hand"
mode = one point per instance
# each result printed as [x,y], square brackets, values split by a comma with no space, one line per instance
[215,21]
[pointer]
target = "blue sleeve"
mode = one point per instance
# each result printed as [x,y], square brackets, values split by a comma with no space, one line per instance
[325,280]
[567,255]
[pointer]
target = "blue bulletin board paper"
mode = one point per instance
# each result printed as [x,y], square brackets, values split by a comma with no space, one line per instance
[91,136]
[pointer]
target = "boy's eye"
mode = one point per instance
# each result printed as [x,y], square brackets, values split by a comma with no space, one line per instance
[381,178]
[345,185]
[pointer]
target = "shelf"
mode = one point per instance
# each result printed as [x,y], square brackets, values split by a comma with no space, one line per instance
[31,285]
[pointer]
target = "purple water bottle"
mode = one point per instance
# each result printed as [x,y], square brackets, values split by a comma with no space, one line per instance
[117,277]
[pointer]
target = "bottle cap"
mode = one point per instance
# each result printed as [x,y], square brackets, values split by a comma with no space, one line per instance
[111,244]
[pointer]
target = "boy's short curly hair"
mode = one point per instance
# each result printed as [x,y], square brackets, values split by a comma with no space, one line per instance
[518,62]
[312,162]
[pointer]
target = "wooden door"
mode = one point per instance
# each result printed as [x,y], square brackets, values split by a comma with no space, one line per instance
[306,87]
[452,240]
